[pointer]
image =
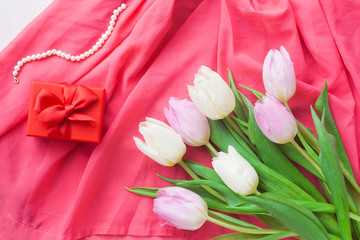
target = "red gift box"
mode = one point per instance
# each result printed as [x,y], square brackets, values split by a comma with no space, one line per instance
[67,112]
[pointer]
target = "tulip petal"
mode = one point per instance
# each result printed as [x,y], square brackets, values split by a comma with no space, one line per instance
[201,100]
[274,120]
[279,75]
[149,152]
[211,95]
[188,121]
[181,208]
[165,140]
[236,172]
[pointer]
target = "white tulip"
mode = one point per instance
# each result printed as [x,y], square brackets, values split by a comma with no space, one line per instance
[162,143]
[236,172]
[211,95]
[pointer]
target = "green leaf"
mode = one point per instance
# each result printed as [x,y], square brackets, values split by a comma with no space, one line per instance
[294,217]
[308,148]
[273,157]
[247,236]
[308,136]
[270,221]
[334,178]
[246,209]
[242,125]
[290,151]
[322,106]
[316,206]
[144,191]
[269,179]
[231,220]
[203,171]
[248,146]
[257,94]
[171,180]
[231,197]
[240,108]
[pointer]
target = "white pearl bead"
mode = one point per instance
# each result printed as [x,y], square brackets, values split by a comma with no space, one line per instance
[68,56]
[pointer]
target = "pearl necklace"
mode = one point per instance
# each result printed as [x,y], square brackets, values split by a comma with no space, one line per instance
[68,56]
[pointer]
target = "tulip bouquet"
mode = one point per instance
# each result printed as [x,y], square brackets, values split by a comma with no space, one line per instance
[253,149]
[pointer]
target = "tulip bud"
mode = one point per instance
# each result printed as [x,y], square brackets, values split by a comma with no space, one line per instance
[180,208]
[275,120]
[236,172]
[162,143]
[279,75]
[211,95]
[188,121]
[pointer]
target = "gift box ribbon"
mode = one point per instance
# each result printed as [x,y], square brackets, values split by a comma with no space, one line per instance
[58,112]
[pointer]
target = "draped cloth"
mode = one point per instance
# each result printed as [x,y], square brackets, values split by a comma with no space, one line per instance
[62,190]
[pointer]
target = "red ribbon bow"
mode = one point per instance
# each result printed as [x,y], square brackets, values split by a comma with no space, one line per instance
[58,113]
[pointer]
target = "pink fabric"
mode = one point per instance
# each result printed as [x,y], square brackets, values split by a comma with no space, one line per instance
[63,190]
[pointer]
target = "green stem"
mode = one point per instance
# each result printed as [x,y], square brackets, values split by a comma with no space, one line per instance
[311,139]
[241,229]
[307,135]
[354,216]
[239,132]
[211,149]
[207,188]
[257,193]
[308,158]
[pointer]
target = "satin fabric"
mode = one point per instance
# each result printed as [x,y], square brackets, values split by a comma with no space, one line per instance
[63,190]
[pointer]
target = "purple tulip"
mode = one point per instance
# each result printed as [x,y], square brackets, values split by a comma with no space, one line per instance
[184,117]
[180,208]
[275,120]
[279,75]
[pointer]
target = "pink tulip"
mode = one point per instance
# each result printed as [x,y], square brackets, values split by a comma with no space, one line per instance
[279,75]
[275,120]
[184,117]
[180,208]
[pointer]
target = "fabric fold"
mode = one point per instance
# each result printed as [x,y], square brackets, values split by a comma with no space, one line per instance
[62,190]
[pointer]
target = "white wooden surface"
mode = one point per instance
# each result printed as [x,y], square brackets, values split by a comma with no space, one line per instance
[15,15]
